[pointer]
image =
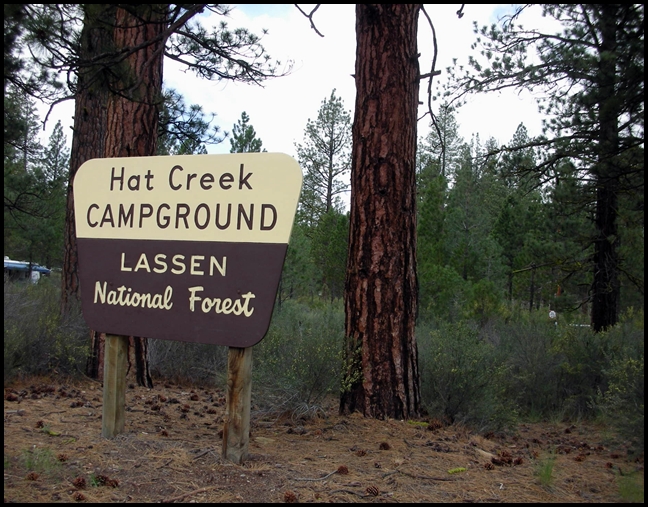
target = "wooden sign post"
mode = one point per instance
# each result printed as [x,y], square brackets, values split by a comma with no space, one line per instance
[114,385]
[236,430]
[189,248]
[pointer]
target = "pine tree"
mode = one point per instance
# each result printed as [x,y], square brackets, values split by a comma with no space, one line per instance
[184,130]
[589,80]
[244,139]
[442,144]
[381,292]
[324,155]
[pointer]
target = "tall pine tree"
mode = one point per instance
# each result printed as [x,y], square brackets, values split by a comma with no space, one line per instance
[244,139]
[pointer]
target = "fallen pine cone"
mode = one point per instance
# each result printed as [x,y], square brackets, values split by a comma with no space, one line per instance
[373,490]
[290,497]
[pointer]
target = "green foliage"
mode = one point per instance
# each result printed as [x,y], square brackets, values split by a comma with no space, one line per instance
[631,487]
[298,363]
[519,365]
[244,139]
[325,157]
[622,404]
[37,340]
[329,251]
[484,302]
[300,277]
[443,293]
[525,344]
[544,469]
[35,188]
[587,76]
[184,130]
[40,460]
[461,377]
[438,152]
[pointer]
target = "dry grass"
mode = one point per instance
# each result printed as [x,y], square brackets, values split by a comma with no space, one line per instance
[170,452]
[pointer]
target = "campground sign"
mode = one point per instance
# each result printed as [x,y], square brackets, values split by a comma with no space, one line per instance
[187,247]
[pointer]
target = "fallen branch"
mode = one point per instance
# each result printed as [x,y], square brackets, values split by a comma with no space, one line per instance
[202,454]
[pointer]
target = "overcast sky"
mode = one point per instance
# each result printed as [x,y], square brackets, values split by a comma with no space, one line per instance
[279,109]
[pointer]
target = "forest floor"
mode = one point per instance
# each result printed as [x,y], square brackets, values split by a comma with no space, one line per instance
[171,452]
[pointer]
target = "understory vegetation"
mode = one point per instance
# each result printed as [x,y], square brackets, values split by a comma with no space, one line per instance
[514,367]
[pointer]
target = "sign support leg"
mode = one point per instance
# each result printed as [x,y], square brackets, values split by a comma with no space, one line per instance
[114,390]
[236,431]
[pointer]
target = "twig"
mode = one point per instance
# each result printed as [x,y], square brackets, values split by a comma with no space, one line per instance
[316,479]
[310,17]
[202,454]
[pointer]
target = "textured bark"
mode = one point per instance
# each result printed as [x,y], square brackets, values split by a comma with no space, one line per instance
[116,115]
[382,378]
[133,109]
[606,287]
[88,140]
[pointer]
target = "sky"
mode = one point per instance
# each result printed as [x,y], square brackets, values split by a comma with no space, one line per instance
[280,109]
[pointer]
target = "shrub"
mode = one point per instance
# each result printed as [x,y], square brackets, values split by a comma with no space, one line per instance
[197,363]
[525,345]
[622,404]
[298,363]
[37,339]
[462,378]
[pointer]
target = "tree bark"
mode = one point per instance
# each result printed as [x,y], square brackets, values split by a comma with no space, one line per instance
[89,131]
[382,378]
[606,287]
[116,115]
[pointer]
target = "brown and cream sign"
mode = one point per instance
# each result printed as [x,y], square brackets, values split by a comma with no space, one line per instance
[184,247]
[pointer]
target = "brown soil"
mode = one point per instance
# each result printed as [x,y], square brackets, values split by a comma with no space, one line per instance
[170,452]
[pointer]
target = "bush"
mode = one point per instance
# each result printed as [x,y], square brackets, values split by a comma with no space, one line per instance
[37,339]
[462,378]
[294,367]
[197,363]
[298,364]
[525,344]
[622,404]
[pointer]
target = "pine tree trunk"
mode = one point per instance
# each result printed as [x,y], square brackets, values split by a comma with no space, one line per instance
[115,116]
[606,288]
[88,140]
[382,378]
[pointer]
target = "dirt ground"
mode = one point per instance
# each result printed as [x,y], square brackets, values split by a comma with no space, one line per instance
[170,452]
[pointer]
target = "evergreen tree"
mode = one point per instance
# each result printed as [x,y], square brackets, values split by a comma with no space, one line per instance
[244,139]
[184,130]
[441,147]
[52,173]
[440,287]
[330,241]
[514,221]
[324,156]
[25,197]
[472,201]
[590,82]
[299,276]
[35,199]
